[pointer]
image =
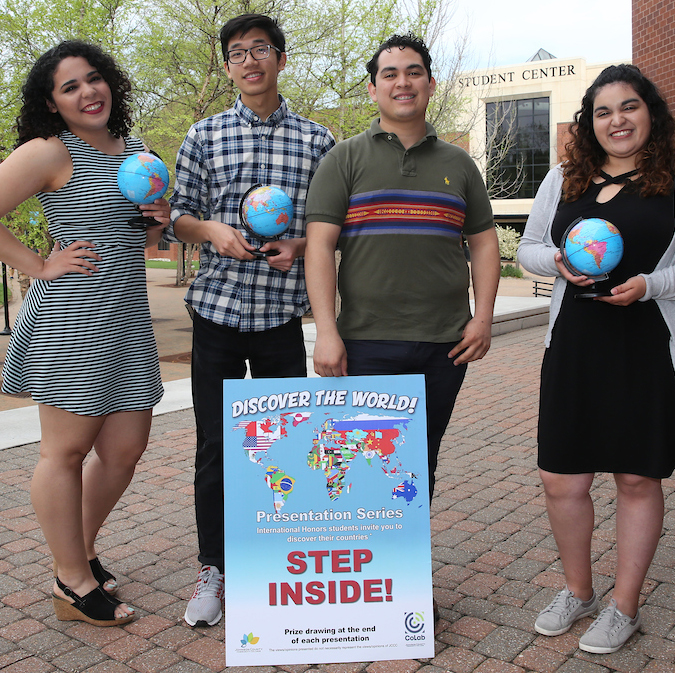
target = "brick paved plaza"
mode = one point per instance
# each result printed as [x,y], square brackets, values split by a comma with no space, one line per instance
[494,559]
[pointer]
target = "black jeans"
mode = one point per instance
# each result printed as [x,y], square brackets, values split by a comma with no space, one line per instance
[220,353]
[442,379]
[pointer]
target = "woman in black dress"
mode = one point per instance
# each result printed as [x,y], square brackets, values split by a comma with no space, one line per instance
[607,383]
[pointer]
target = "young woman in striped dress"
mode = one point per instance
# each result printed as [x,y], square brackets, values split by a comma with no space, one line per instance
[83,344]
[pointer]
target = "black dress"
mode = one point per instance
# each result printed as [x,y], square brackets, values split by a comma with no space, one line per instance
[607,380]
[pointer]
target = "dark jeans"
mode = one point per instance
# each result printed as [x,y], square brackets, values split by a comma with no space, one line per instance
[220,353]
[442,379]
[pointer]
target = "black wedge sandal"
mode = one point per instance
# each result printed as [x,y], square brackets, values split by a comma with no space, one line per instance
[96,607]
[103,576]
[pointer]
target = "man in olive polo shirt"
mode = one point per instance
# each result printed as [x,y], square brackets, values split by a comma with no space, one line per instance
[398,201]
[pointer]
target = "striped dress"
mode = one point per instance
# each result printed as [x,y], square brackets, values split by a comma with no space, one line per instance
[85,343]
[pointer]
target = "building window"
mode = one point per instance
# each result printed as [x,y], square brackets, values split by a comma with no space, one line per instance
[163,245]
[518,141]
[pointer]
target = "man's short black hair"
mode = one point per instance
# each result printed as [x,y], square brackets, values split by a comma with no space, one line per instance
[242,24]
[400,41]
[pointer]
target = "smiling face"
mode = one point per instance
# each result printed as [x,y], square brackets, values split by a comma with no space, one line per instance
[256,79]
[80,95]
[621,122]
[402,87]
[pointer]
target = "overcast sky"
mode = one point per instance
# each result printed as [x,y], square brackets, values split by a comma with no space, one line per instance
[505,32]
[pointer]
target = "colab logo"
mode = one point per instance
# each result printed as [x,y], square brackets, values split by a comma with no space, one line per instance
[414,626]
[249,640]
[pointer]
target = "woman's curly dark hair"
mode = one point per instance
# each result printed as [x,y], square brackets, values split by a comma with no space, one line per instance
[35,119]
[585,155]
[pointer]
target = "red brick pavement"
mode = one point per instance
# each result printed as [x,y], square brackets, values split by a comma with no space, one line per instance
[494,559]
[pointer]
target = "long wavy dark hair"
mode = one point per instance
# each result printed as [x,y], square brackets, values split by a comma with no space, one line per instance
[35,119]
[585,155]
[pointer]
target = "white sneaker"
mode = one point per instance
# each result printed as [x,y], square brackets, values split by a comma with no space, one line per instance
[206,604]
[565,609]
[610,631]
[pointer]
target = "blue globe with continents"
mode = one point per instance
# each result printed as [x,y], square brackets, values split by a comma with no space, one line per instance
[266,211]
[142,178]
[592,247]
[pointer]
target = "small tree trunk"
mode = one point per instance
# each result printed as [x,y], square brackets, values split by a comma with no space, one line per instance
[180,264]
[184,271]
[191,271]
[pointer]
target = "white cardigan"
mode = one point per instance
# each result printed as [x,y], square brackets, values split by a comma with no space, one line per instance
[536,252]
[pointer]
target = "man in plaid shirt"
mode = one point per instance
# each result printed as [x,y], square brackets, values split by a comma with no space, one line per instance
[244,307]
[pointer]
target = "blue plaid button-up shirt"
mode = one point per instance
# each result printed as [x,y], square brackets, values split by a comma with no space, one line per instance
[222,157]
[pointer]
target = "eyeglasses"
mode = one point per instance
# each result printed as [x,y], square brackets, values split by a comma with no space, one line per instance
[259,53]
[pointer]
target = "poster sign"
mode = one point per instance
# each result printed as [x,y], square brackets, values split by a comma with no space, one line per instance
[327,541]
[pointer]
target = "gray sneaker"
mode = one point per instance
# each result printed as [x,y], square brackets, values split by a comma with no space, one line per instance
[565,609]
[206,604]
[610,631]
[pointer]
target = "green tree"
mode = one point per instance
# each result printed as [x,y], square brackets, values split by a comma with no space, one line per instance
[172,51]
[326,76]
[331,42]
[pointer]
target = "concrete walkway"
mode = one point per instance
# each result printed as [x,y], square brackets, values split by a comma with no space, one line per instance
[495,562]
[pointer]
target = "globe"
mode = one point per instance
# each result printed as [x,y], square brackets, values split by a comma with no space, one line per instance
[592,247]
[142,178]
[266,211]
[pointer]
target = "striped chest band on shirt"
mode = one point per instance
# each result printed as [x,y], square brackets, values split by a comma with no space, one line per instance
[404,212]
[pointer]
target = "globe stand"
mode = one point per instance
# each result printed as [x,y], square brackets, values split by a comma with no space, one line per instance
[141,222]
[266,254]
[591,292]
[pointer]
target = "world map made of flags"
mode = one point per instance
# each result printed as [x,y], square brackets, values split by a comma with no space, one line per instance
[335,445]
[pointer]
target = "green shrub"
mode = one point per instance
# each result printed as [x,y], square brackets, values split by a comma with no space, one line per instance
[511,271]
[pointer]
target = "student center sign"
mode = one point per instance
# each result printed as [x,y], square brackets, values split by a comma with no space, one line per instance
[521,116]
[510,76]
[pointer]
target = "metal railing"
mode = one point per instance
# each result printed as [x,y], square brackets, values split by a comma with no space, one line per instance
[542,288]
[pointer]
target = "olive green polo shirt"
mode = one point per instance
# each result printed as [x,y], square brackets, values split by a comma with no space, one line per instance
[402,213]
